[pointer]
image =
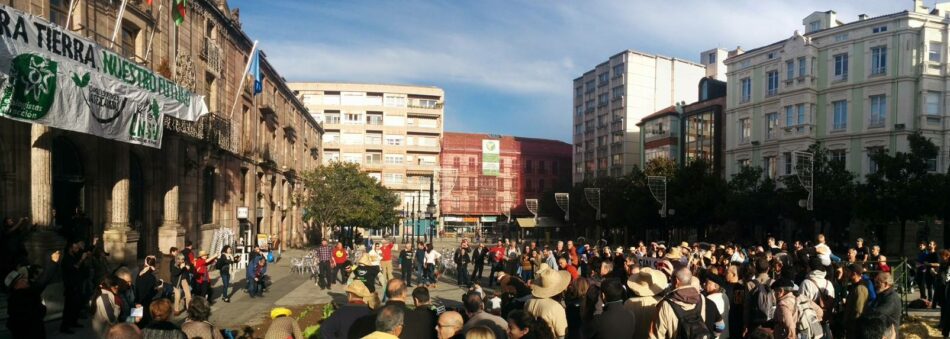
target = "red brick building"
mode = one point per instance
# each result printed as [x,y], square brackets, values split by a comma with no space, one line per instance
[528,168]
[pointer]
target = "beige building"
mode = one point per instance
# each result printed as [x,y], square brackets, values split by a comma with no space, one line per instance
[612,98]
[140,199]
[855,87]
[393,131]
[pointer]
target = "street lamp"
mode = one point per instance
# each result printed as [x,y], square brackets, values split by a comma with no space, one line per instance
[430,210]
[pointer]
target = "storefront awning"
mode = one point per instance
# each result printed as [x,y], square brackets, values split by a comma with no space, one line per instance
[527,222]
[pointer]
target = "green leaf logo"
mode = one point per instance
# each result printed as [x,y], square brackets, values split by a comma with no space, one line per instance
[81,82]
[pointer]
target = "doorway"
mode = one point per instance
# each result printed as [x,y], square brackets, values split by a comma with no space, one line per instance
[69,189]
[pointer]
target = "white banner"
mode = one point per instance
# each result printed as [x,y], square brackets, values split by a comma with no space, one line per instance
[490,157]
[53,77]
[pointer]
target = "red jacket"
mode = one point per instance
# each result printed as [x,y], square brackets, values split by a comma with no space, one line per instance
[387,250]
[201,270]
[573,271]
[497,253]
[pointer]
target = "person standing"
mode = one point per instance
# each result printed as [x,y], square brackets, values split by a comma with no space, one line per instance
[497,260]
[888,302]
[179,274]
[933,264]
[341,260]
[432,260]
[478,262]
[645,286]
[74,274]
[106,309]
[405,263]
[548,285]
[855,302]
[325,259]
[461,259]
[147,286]
[386,260]
[26,297]
[616,321]
[225,259]
[202,274]
[420,257]
[786,310]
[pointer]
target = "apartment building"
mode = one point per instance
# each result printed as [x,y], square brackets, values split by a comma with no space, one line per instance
[527,169]
[856,87]
[393,131]
[612,98]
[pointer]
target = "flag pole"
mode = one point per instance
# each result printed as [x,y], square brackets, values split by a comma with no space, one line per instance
[69,14]
[148,49]
[118,22]
[240,89]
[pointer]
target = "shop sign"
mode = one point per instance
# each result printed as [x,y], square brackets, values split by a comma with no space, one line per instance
[51,76]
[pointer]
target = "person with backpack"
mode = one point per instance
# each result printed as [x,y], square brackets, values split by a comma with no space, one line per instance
[786,311]
[818,288]
[759,304]
[858,296]
[682,313]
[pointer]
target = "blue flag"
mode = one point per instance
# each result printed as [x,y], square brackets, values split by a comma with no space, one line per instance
[255,71]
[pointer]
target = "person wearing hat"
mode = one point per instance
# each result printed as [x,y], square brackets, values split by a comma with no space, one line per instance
[338,325]
[857,298]
[549,284]
[283,325]
[202,276]
[366,272]
[786,309]
[646,286]
[25,308]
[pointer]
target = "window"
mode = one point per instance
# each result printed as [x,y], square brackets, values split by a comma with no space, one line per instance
[801,66]
[772,77]
[746,88]
[541,185]
[394,120]
[331,156]
[801,116]
[770,167]
[745,130]
[787,156]
[374,158]
[935,50]
[331,98]
[130,34]
[428,123]
[352,98]
[618,71]
[770,56]
[789,70]
[376,176]
[933,103]
[589,86]
[352,138]
[604,78]
[352,157]
[352,119]
[840,115]
[814,26]
[331,137]
[602,99]
[789,116]
[390,100]
[528,166]
[841,67]
[57,11]
[711,58]
[529,185]
[393,178]
[578,128]
[395,159]
[374,119]
[878,111]
[872,164]
[838,156]
[879,29]
[374,99]
[617,92]
[878,60]
[771,123]
[932,163]
[394,140]
[332,119]
[578,91]
[743,163]
[841,37]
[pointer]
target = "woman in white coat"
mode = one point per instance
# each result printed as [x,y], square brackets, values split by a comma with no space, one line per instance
[105,310]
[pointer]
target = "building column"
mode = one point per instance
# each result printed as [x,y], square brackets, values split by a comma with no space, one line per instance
[121,242]
[171,233]
[44,240]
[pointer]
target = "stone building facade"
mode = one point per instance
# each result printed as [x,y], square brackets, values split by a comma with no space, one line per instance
[247,153]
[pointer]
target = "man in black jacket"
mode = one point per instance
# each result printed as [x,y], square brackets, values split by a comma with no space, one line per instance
[340,325]
[462,258]
[420,324]
[888,303]
[25,300]
[616,321]
[478,262]
[74,272]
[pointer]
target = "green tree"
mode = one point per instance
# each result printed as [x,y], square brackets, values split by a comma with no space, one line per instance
[341,195]
[898,190]
[696,194]
[833,195]
[752,200]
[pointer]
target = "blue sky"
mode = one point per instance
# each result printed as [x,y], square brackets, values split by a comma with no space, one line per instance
[506,65]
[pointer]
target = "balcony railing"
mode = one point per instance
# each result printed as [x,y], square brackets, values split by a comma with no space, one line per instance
[212,129]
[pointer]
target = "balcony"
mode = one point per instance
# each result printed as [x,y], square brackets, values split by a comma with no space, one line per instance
[212,129]
[417,105]
[801,130]
[213,56]
[422,149]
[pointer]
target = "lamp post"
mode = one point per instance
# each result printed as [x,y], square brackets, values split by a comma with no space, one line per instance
[418,212]
[430,211]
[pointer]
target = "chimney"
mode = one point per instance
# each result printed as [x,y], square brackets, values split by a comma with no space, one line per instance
[862,17]
[736,51]
[919,7]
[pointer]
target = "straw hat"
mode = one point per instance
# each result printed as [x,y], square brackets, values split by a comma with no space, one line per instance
[359,289]
[202,253]
[673,255]
[280,311]
[549,283]
[685,245]
[647,283]
[365,260]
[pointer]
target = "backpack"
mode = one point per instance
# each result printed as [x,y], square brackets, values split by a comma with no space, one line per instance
[691,323]
[872,292]
[762,303]
[809,325]
[827,303]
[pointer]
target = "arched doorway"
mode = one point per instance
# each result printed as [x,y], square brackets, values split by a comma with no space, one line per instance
[69,189]
[137,204]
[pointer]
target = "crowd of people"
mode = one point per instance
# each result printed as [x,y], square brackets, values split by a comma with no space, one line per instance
[651,290]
